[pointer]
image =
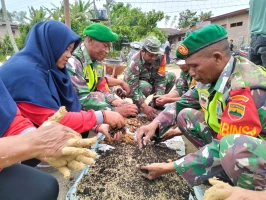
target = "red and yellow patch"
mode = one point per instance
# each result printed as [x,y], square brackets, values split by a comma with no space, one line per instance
[239,98]
[182,49]
[162,67]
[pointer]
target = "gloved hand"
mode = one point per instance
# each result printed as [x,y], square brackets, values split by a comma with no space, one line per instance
[74,154]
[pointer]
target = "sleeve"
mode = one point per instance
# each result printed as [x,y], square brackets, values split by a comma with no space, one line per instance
[131,76]
[79,121]
[168,116]
[80,85]
[181,85]
[195,170]
[18,125]
[160,82]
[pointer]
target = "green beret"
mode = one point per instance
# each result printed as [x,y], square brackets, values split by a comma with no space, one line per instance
[200,39]
[100,32]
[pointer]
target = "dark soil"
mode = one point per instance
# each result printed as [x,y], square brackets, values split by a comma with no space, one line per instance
[115,176]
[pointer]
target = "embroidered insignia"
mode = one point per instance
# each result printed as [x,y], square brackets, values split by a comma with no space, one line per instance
[219,110]
[240,97]
[182,49]
[204,101]
[99,72]
[236,111]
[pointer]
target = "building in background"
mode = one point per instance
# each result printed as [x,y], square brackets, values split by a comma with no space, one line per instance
[3,30]
[236,24]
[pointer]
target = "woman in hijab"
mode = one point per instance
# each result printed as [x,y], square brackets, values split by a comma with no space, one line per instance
[19,181]
[18,148]
[37,79]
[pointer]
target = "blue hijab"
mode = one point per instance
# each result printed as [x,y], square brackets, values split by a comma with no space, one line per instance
[8,109]
[31,75]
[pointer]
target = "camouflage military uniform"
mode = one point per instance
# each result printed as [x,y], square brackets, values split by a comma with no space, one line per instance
[145,79]
[183,83]
[89,99]
[191,121]
[242,157]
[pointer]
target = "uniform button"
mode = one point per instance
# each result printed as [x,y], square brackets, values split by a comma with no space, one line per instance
[183,170]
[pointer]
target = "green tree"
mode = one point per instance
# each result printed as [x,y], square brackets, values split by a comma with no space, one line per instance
[6,47]
[133,24]
[186,18]
[205,15]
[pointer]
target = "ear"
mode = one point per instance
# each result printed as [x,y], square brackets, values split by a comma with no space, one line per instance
[218,57]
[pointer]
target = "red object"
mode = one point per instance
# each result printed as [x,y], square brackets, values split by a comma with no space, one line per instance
[18,125]
[79,121]
[240,115]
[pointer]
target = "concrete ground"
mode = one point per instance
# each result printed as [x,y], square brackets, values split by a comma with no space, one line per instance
[65,184]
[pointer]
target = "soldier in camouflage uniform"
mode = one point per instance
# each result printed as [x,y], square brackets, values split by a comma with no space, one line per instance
[88,77]
[183,83]
[145,73]
[242,157]
[233,101]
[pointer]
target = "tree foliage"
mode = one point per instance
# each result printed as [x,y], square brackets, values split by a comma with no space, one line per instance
[6,47]
[80,18]
[186,18]
[205,15]
[131,24]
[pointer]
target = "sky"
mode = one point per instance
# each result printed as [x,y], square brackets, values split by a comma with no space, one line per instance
[169,7]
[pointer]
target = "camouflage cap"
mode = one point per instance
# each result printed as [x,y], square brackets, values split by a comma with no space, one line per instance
[152,45]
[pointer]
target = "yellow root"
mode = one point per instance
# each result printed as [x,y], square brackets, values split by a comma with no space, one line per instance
[219,190]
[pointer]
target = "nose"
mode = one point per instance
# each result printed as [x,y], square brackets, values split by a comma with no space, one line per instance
[68,54]
[191,72]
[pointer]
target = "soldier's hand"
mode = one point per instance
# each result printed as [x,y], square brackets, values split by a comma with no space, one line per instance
[125,87]
[144,133]
[127,110]
[161,100]
[155,170]
[114,119]
[170,134]
[149,111]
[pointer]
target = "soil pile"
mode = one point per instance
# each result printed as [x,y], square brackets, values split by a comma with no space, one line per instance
[115,176]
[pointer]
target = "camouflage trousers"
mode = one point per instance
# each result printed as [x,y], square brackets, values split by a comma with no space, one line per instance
[148,89]
[99,101]
[191,122]
[242,157]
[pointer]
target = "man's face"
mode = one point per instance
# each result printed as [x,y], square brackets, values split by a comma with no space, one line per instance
[98,50]
[203,69]
[184,68]
[149,57]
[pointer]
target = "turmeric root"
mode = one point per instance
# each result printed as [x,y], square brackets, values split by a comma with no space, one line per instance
[75,154]
[219,190]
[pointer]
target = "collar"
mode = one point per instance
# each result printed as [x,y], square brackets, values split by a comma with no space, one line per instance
[226,73]
[86,56]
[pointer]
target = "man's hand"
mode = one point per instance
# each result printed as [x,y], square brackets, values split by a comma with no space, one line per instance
[114,119]
[144,133]
[125,87]
[127,110]
[148,111]
[118,102]
[170,134]
[155,170]
[161,100]
[121,93]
